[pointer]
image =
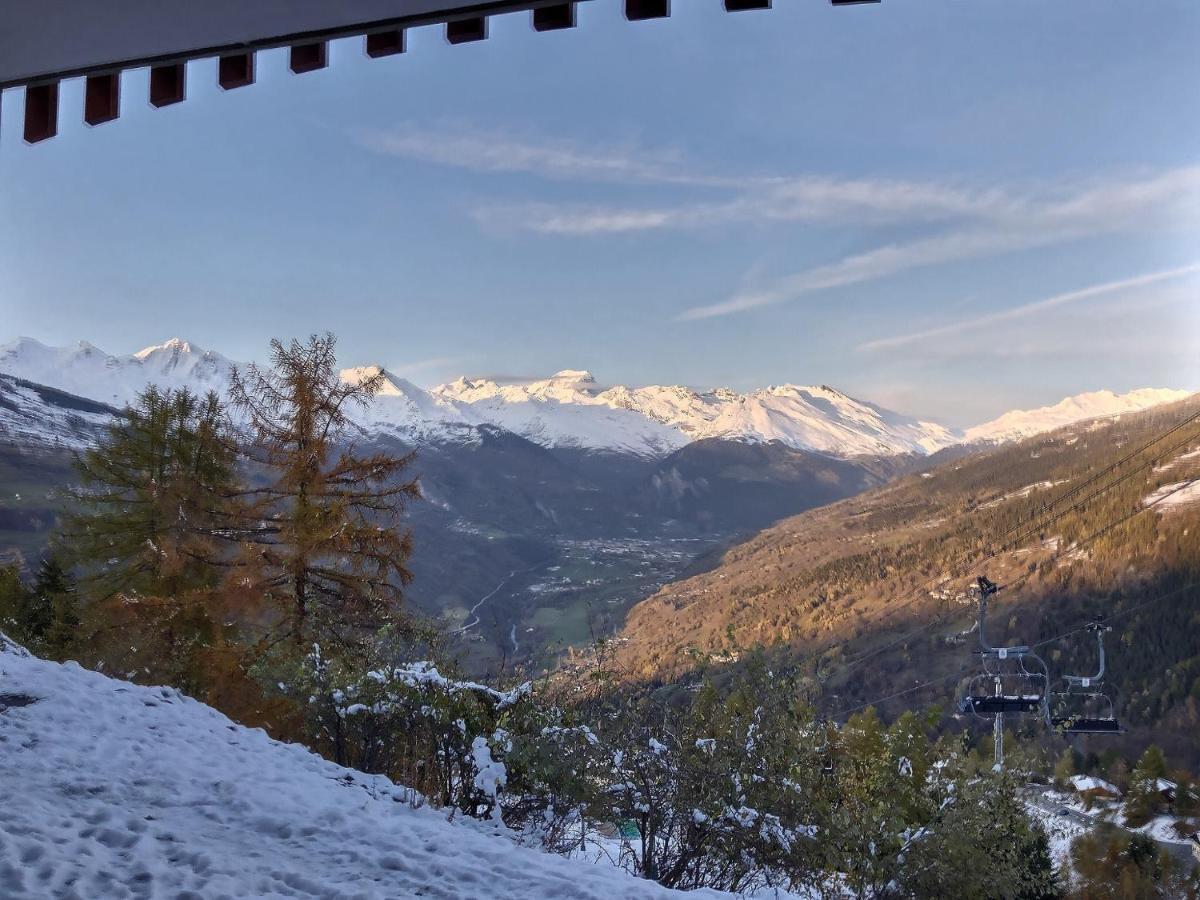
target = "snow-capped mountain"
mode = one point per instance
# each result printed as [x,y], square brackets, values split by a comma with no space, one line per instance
[571,410]
[34,416]
[1023,423]
[88,371]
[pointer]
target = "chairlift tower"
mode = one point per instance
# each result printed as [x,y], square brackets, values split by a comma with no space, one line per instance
[995,692]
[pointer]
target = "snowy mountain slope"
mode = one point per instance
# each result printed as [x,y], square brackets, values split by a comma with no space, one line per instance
[118,791]
[571,410]
[34,416]
[808,418]
[87,371]
[1022,423]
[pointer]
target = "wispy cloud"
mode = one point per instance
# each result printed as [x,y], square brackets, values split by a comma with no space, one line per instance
[1026,310]
[960,221]
[1164,199]
[753,197]
[762,200]
[561,160]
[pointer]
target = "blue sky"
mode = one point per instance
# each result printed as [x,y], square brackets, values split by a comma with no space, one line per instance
[949,208]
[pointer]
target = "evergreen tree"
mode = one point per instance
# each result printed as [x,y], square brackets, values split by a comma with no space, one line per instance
[1064,768]
[1142,799]
[14,600]
[153,502]
[150,530]
[981,845]
[55,591]
[324,538]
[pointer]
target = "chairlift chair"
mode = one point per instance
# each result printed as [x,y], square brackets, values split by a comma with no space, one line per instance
[1081,708]
[1014,679]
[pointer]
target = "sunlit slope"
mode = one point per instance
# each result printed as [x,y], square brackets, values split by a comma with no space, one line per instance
[853,577]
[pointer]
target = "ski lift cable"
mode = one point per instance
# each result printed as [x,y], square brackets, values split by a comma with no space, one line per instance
[1084,501]
[1058,637]
[916,687]
[966,563]
[1104,620]
[849,664]
[1092,479]
[1115,523]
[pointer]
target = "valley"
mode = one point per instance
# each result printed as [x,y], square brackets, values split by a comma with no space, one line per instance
[602,512]
[537,616]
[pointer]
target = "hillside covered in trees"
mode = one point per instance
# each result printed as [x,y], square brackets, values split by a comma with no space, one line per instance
[870,598]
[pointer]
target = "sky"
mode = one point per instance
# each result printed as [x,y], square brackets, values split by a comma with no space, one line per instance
[948,208]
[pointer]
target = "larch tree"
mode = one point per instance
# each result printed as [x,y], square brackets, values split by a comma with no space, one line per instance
[324,539]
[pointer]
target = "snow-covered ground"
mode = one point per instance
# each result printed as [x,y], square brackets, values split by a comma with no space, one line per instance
[1061,832]
[1173,496]
[110,790]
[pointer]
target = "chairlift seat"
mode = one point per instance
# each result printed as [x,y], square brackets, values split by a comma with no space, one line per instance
[1078,725]
[990,704]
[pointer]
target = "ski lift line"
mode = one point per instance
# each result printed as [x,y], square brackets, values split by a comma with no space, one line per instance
[1092,479]
[1103,530]
[858,660]
[1092,496]
[916,687]
[1104,620]
[1058,637]
[994,553]
[849,664]
[1042,525]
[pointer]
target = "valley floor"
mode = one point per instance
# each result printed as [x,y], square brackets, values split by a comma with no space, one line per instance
[118,791]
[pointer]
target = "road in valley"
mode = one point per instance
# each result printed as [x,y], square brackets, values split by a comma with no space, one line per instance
[1181,850]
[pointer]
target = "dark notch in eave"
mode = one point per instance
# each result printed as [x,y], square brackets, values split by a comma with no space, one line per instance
[464,31]
[41,112]
[308,57]
[235,70]
[384,43]
[168,84]
[554,18]
[640,10]
[102,98]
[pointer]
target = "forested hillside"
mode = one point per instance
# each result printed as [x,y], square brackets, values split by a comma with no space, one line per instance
[870,595]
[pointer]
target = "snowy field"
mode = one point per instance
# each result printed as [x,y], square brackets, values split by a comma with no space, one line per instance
[111,790]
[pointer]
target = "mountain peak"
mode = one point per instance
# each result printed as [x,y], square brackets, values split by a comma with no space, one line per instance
[580,376]
[172,345]
[391,386]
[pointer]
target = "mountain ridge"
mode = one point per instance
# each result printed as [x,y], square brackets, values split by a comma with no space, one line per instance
[571,409]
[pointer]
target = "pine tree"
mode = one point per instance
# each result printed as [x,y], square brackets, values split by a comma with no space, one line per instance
[55,591]
[153,500]
[14,604]
[323,534]
[1064,768]
[149,531]
[1142,800]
